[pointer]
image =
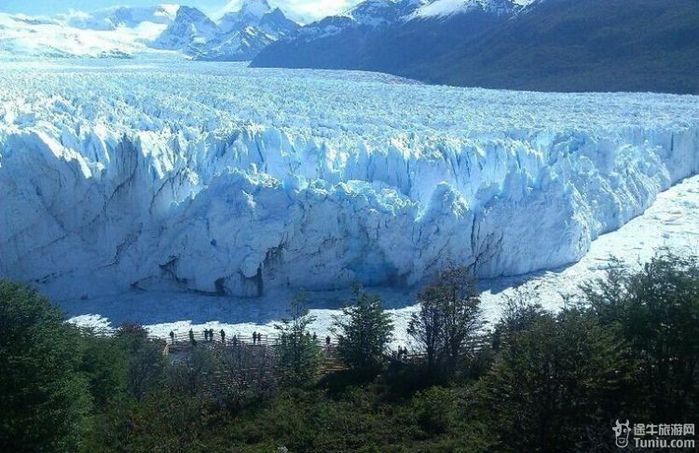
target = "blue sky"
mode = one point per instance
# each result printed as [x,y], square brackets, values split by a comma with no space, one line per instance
[305,10]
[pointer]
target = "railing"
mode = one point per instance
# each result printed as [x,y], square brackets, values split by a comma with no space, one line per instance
[185,340]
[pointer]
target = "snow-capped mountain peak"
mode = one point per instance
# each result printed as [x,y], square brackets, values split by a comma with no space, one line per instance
[444,8]
[239,35]
[190,26]
[255,8]
[379,12]
[250,12]
[257,14]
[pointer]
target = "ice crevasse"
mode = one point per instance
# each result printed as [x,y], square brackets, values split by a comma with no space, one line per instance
[245,181]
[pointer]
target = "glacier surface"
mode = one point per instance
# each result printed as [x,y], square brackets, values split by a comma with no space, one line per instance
[223,179]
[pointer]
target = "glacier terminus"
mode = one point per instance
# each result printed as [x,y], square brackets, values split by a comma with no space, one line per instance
[218,178]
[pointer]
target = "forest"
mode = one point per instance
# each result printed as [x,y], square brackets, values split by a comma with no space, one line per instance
[625,348]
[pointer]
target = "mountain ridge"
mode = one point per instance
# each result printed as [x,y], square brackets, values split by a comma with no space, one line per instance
[540,45]
[238,35]
[127,32]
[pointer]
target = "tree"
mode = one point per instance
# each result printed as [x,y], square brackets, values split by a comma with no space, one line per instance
[656,310]
[363,332]
[298,353]
[145,368]
[520,312]
[448,318]
[556,384]
[44,401]
[105,365]
[435,409]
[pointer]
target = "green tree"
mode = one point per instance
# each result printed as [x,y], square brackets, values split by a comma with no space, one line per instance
[520,312]
[448,320]
[435,409]
[44,401]
[145,367]
[656,309]
[105,365]
[555,384]
[298,354]
[363,332]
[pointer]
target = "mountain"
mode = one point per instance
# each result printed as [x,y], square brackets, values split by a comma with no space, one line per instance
[245,32]
[239,35]
[127,32]
[258,13]
[375,13]
[365,16]
[190,28]
[449,8]
[546,45]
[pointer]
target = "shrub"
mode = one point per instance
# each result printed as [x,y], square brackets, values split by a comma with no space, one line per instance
[298,354]
[656,310]
[44,401]
[435,409]
[554,382]
[363,332]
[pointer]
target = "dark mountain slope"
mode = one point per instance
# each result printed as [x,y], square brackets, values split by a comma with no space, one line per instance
[554,45]
[583,45]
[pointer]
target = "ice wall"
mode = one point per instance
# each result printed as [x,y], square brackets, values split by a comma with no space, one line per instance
[118,181]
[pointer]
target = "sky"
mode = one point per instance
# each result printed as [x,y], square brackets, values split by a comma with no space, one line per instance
[301,10]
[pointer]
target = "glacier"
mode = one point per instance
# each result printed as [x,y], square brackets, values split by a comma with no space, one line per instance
[223,179]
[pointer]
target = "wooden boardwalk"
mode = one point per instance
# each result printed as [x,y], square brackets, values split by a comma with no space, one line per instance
[180,345]
[252,362]
[179,342]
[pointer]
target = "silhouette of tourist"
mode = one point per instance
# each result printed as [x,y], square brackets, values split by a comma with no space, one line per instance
[223,337]
[172,337]
[254,337]
[191,337]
